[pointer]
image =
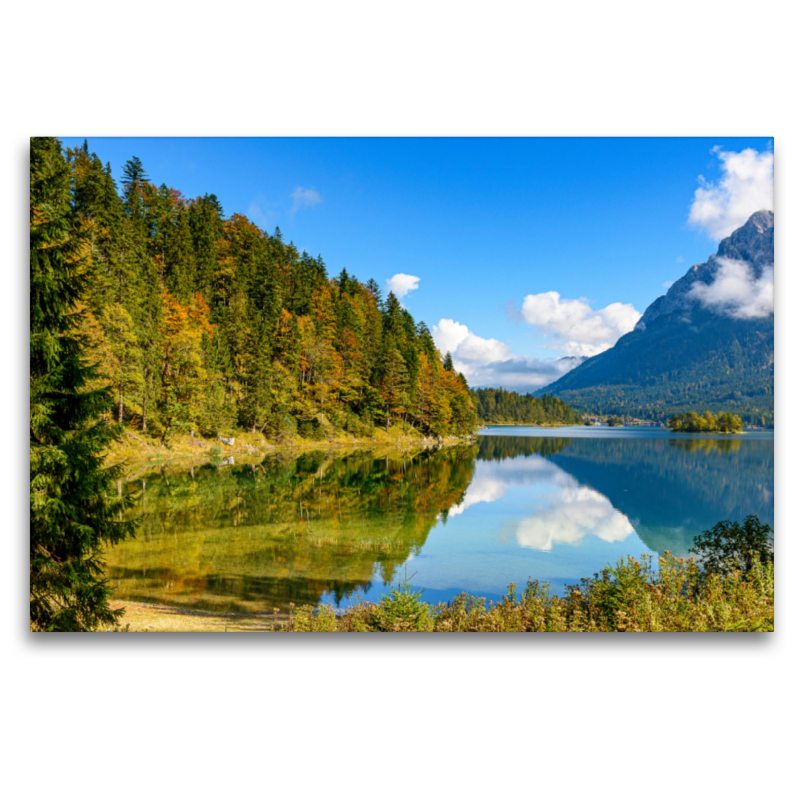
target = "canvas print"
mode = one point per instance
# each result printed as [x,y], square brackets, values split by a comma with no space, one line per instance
[401,384]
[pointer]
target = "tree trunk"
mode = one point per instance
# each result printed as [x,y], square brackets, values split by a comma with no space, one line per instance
[144,404]
[121,398]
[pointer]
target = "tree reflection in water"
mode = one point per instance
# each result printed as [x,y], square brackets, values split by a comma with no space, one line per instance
[327,525]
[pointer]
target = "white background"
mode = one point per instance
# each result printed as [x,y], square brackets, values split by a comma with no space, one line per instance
[656,716]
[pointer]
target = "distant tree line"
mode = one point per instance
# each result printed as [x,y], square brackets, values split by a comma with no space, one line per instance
[501,406]
[693,423]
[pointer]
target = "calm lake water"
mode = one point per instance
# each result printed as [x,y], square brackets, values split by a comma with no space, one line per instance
[332,527]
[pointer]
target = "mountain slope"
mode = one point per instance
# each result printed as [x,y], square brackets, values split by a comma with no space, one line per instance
[707,344]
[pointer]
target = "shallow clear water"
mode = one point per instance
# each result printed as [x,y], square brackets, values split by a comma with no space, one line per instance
[550,504]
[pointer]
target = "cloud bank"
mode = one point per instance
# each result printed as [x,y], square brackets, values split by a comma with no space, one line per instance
[401,284]
[745,187]
[574,327]
[736,291]
[303,198]
[490,362]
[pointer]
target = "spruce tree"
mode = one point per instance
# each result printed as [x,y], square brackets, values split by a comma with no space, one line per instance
[74,512]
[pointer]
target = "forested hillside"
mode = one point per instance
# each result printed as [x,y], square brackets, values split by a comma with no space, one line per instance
[500,406]
[203,324]
[715,364]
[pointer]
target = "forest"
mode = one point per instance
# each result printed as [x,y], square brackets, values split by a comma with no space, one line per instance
[204,324]
[500,406]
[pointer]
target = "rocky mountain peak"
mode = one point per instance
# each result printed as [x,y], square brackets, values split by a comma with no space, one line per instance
[753,243]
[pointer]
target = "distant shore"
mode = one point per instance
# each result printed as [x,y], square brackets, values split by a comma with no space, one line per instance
[529,425]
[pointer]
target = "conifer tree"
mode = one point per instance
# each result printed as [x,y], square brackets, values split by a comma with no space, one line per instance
[74,513]
[133,182]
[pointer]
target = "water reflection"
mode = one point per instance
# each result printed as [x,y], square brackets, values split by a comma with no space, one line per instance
[558,509]
[571,514]
[290,529]
[328,526]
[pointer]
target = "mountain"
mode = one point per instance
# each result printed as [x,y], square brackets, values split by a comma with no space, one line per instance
[708,344]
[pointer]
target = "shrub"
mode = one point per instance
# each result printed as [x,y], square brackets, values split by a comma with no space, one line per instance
[402,609]
[627,596]
[730,546]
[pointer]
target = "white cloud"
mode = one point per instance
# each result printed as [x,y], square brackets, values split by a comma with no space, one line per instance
[667,284]
[574,327]
[745,187]
[303,198]
[490,362]
[736,291]
[679,260]
[401,284]
[457,339]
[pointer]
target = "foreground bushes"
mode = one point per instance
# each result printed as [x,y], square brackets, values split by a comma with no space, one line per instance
[629,596]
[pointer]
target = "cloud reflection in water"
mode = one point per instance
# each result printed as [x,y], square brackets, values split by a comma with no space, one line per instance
[563,510]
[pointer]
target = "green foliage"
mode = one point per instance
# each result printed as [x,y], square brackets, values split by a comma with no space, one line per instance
[203,323]
[614,421]
[629,596]
[733,546]
[500,406]
[402,609]
[692,422]
[74,511]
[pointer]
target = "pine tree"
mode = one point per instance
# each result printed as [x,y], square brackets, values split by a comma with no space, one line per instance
[74,513]
[375,289]
[134,182]
[394,384]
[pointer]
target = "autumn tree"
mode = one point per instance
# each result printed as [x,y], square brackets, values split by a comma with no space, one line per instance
[183,373]
[393,384]
[280,343]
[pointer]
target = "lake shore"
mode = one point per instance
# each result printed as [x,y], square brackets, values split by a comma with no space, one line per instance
[628,597]
[137,452]
[152,618]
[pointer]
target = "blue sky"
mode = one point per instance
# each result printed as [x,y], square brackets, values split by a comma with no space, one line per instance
[484,223]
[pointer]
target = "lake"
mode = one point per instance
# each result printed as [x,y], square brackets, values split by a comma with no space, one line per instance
[334,526]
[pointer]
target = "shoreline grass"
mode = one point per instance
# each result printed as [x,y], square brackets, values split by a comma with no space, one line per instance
[630,596]
[136,451]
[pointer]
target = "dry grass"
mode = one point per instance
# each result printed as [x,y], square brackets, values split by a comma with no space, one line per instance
[139,452]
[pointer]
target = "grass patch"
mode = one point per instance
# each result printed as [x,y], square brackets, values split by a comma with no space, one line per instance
[630,596]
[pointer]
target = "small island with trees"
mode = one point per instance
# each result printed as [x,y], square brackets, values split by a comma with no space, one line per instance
[692,422]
